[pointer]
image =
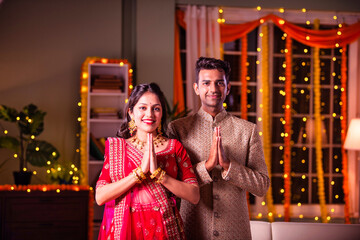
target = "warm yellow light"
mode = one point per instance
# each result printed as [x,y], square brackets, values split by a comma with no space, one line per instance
[57,190]
[221,10]
[258,49]
[85,75]
[28,190]
[223,20]
[72,166]
[71,172]
[328,218]
[30,120]
[259,119]
[6,131]
[270,214]
[37,149]
[84,89]
[282,190]
[224,105]
[337,45]
[299,204]
[131,86]
[303,176]
[334,74]
[281,147]
[34,172]
[303,10]
[15,155]
[263,203]
[307,37]
[282,10]
[126,100]
[306,50]
[257,62]
[303,161]
[332,183]
[286,50]
[17,118]
[79,104]
[121,64]
[332,210]
[334,114]
[104,60]
[334,17]
[262,20]
[48,171]
[261,34]
[79,119]
[308,22]
[302,189]
[285,175]
[130,71]
[48,162]
[54,154]
[301,216]
[77,150]
[75,169]
[259,215]
[306,79]
[281,162]
[316,218]
[258,8]
[304,148]
[336,196]
[281,22]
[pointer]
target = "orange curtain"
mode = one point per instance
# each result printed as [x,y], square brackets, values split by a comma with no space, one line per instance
[314,38]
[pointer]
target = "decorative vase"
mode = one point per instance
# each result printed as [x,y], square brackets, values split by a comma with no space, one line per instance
[22,178]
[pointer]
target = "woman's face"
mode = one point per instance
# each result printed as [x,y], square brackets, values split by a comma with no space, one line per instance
[147,113]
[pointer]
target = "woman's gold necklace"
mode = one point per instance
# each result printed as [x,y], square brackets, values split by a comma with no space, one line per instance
[158,140]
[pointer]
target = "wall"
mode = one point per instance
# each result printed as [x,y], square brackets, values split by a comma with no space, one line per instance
[42,45]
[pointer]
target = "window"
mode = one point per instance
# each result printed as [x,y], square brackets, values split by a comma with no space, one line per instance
[303,164]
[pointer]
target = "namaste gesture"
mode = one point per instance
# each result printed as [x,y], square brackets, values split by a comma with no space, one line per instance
[217,154]
[149,162]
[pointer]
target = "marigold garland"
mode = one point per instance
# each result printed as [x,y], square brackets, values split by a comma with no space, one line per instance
[244,46]
[343,121]
[266,115]
[318,144]
[287,130]
[84,91]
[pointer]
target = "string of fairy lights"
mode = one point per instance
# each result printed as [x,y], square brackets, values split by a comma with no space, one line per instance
[304,89]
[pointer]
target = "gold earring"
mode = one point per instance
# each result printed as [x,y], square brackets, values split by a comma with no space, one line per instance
[132,126]
[159,130]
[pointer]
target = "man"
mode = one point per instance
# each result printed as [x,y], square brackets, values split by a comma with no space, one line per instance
[227,156]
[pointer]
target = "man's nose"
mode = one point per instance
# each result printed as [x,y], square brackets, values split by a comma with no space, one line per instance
[213,87]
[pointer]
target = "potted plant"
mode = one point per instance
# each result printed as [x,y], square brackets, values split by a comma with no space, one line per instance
[66,173]
[30,124]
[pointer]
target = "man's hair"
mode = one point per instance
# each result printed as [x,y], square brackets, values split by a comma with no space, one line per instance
[212,63]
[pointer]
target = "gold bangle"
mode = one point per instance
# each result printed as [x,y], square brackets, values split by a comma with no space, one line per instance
[136,177]
[140,172]
[161,177]
[155,173]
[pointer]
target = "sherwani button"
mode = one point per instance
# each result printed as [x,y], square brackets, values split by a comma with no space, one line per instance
[216,197]
[216,233]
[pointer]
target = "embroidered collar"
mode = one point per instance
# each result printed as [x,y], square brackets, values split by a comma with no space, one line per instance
[218,118]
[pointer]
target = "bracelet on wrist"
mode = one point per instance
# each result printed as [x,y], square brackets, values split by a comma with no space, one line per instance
[161,177]
[155,173]
[136,177]
[140,173]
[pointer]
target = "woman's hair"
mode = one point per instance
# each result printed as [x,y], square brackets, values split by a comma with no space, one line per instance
[135,95]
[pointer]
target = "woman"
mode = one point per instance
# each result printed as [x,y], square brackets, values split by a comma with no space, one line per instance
[142,172]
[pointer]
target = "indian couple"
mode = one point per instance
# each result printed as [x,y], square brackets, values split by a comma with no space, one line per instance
[208,160]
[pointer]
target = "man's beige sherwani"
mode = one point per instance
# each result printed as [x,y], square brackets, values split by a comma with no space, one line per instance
[222,212]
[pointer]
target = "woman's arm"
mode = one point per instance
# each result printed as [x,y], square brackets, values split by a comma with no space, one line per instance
[114,190]
[187,191]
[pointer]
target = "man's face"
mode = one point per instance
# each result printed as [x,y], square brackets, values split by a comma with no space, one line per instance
[212,89]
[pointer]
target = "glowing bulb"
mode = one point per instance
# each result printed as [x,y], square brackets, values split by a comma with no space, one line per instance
[85,75]
[303,10]
[131,86]
[48,162]
[130,71]
[334,17]
[258,8]
[307,38]
[37,149]
[6,131]
[221,10]
[121,64]
[281,22]
[262,20]
[263,203]
[282,10]
[308,22]
[54,154]
[79,104]
[17,118]
[79,119]
[15,155]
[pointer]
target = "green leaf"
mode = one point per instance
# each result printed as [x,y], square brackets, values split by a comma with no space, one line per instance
[39,152]
[8,114]
[36,124]
[9,142]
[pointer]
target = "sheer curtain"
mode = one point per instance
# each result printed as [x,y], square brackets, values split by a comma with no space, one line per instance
[202,39]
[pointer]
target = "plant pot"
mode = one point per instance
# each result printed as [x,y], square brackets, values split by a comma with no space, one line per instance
[22,178]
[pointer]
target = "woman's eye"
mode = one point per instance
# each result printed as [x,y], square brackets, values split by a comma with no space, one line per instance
[157,109]
[142,108]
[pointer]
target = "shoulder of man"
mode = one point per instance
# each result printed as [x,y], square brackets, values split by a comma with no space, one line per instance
[240,121]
